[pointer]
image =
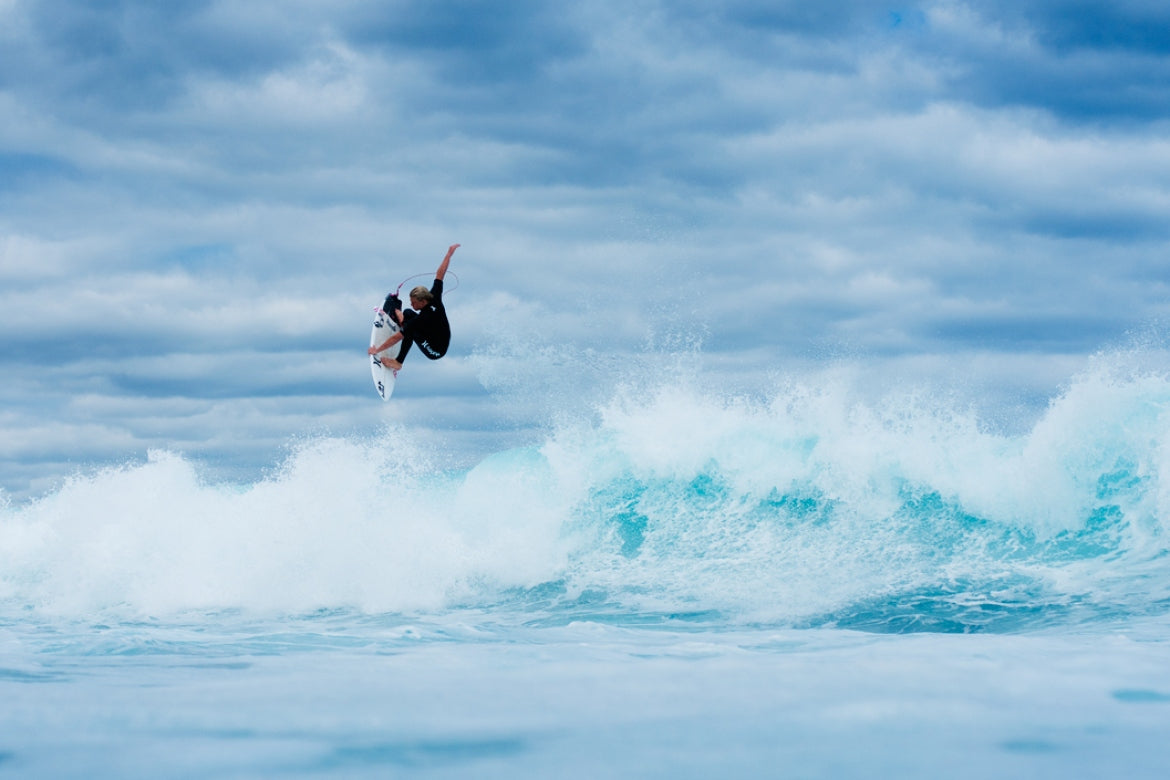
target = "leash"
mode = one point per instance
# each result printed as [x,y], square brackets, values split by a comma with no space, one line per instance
[420,276]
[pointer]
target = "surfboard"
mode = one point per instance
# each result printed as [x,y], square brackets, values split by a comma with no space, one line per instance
[384,328]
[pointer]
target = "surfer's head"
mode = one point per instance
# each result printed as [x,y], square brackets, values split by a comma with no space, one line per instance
[421,295]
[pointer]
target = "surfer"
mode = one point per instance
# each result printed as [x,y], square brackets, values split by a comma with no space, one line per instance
[426,324]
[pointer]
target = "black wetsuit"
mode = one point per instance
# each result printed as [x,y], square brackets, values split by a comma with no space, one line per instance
[428,328]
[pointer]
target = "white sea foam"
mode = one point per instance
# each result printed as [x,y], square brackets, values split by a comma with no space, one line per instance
[811,505]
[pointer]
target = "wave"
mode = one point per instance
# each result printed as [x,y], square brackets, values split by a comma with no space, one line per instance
[808,507]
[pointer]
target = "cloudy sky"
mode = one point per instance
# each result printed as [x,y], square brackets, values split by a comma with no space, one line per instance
[201,202]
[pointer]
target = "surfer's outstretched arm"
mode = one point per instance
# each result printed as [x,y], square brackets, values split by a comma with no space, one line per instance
[397,337]
[446,262]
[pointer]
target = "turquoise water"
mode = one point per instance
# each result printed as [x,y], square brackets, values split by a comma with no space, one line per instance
[800,584]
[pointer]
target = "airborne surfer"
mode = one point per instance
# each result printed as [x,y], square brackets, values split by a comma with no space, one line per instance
[425,324]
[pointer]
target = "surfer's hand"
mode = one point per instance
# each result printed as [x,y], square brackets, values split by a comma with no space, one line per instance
[451,249]
[372,351]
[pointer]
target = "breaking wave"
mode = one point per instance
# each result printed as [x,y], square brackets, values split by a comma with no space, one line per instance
[808,507]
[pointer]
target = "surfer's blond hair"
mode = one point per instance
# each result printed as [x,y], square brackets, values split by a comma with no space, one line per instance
[421,293]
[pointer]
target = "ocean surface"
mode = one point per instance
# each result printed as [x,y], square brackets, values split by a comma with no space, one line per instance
[792,584]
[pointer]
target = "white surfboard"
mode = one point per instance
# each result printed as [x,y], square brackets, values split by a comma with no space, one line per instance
[384,328]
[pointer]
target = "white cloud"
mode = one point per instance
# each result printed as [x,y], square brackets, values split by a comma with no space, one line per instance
[328,88]
[25,258]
